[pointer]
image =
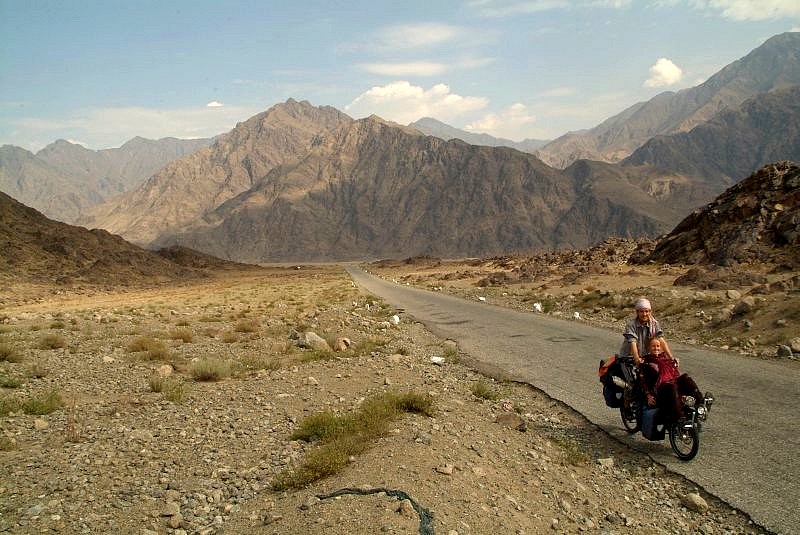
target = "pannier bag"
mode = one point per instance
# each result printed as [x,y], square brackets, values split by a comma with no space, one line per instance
[611,392]
[652,427]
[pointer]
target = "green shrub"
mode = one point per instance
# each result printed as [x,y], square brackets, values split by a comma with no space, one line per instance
[153,349]
[482,389]
[172,388]
[44,404]
[573,453]
[10,382]
[341,436]
[52,341]
[367,346]
[210,370]
[8,404]
[259,362]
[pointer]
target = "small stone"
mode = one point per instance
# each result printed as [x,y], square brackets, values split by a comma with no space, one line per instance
[108,360]
[342,344]
[694,502]
[175,521]
[270,518]
[40,424]
[406,509]
[171,509]
[311,381]
[512,420]
[745,305]
[446,469]
[310,502]
[733,294]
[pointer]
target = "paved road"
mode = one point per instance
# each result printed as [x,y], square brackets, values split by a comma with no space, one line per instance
[749,453]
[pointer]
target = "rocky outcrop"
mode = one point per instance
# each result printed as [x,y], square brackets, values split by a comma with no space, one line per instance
[756,220]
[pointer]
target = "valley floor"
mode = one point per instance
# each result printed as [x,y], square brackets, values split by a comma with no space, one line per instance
[171,409]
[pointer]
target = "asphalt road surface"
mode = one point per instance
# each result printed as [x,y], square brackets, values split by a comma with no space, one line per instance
[749,454]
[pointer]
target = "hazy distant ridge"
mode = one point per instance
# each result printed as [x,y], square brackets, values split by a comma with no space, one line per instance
[773,65]
[64,179]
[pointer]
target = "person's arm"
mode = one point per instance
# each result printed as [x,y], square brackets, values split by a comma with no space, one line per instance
[667,350]
[637,359]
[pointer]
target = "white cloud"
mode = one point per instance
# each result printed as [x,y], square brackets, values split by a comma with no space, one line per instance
[504,8]
[214,104]
[101,128]
[664,73]
[404,103]
[418,35]
[417,68]
[513,123]
[415,36]
[743,9]
[760,10]
[422,68]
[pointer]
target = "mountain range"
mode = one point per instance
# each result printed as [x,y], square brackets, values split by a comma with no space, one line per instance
[299,182]
[772,66]
[64,179]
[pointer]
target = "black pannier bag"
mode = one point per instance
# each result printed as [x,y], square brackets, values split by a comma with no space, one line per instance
[611,392]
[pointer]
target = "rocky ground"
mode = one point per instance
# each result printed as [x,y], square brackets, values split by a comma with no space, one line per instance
[752,309]
[130,451]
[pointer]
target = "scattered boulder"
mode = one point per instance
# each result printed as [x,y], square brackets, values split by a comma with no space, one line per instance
[744,306]
[311,340]
[342,344]
[512,420]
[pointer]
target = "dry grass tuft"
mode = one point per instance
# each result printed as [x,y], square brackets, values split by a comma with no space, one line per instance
[9,353]
[153,349]
[246,326]
[52,341]
[211,369]
[182,334]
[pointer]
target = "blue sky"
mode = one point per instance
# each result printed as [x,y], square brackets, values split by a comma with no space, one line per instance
[102,72]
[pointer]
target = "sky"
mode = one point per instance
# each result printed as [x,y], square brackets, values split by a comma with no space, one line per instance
[99,72]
